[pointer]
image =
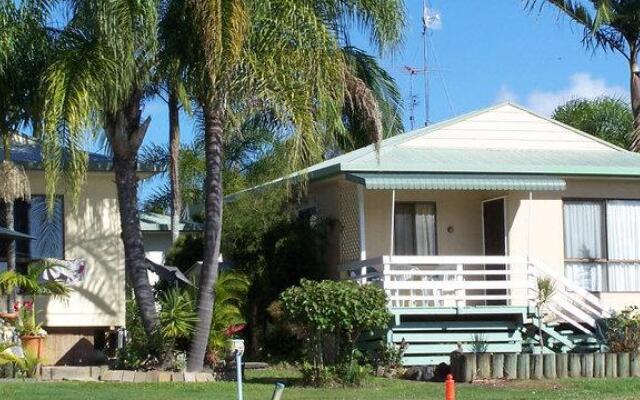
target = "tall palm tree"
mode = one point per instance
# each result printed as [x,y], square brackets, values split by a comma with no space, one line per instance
[271,55]
[613,25]
[103,70]
[24,46]
[172,69]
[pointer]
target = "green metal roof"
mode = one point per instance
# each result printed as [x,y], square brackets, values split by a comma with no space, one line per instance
[152,222]
[395,157]
[417,181]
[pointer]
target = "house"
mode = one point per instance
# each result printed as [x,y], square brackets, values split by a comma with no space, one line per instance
[457,221]
[156,234]
[88,231]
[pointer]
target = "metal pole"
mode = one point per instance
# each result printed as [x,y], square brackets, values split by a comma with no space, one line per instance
[277,392]
[239,373]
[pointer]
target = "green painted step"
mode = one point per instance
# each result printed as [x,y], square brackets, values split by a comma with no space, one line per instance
[467,348]
[456,326]
[455,337]
[410,361]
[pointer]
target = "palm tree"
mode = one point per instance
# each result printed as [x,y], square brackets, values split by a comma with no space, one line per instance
[172,70]
[281,56]
[103,70]
[613,25]
[606,118]
[24,47]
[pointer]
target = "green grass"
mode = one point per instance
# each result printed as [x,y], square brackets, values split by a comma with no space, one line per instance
[259,386]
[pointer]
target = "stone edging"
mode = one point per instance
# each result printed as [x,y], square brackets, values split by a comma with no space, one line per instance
[103,373]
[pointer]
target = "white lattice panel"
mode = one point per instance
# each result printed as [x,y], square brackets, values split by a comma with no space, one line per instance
[350,232]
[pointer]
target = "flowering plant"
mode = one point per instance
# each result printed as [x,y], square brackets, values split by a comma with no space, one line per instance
[26,324]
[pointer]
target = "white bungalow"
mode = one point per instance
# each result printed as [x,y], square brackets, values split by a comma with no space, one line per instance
[458,220]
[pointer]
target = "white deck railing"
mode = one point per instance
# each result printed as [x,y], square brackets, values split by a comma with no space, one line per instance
[462,281]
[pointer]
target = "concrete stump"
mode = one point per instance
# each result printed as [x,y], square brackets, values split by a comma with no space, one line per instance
[575,365]
[587,365]
[634,367]
[537,371]
[611,365]
[484,366]
[511,366]
[623,365]
[497,366]
[524,366]
[598,365]
[562,365]
[549,366]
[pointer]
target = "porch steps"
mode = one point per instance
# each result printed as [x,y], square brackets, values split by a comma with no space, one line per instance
[433,333]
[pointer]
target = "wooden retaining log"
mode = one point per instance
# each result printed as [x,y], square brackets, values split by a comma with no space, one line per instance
[497,366]
[598,365]
[524,366]
[471,367]
[484,366]
[562,365]
[575,366]
[511,366]
[549,361]
[536,366]
[611,365]
[623,365]
[587,365]
[634,364]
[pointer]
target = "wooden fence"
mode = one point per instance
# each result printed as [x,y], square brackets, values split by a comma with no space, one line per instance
[467,367]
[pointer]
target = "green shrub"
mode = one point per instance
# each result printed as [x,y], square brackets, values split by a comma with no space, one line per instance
[388,356]
[622,331]
[185,252]
[331,316]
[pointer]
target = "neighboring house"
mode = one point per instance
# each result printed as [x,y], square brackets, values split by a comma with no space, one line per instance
[156,234]
[456,221]
[88,231]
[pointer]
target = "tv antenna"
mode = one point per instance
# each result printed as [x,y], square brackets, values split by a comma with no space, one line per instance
[430,21]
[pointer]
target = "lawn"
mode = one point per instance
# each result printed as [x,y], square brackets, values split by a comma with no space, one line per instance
[259,386]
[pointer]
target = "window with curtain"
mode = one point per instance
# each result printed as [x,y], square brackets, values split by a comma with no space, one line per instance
[602,244]
[414,229]
[47,227]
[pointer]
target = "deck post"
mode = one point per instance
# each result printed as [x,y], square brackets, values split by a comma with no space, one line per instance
[362,232]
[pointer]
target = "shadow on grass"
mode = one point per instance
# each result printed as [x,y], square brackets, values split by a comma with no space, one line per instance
[265,380]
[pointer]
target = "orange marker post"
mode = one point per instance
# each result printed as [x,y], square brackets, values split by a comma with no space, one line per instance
[449,388]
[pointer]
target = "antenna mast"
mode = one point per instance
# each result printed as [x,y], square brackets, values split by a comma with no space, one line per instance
[430,20]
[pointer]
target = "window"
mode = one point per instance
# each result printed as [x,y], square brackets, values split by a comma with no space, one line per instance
[602,244]
[414,230]
[47,228]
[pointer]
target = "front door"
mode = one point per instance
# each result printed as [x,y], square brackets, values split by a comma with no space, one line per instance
[494,241]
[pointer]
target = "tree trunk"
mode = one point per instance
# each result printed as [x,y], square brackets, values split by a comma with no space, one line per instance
[134,256]
[174,158]
[213,230]
[126,133]
[635,105]
[11,250]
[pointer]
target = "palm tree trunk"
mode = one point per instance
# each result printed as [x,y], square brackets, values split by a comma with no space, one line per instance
[635,103]
[213,230]
[9,223]
[134,256]
[126,133]
[174,157]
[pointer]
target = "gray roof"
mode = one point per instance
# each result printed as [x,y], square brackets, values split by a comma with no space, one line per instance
[153,222]
[27,152]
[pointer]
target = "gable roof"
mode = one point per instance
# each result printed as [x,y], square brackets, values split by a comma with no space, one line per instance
[502,139]
[27,152]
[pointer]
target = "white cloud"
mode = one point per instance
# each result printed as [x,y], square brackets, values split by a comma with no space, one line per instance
[581,85]
[506,94]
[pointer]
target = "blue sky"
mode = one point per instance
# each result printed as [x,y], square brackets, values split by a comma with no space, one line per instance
[487,51]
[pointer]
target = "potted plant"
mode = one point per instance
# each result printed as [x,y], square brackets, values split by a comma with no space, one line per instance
[31,333]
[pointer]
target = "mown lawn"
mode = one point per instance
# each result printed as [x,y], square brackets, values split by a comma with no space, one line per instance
[259,386]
